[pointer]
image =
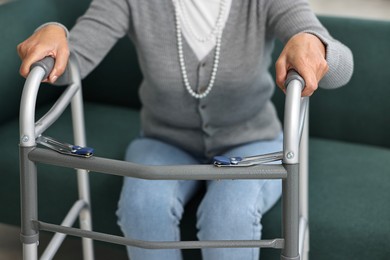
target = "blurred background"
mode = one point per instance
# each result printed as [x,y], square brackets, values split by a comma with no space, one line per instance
[373,9]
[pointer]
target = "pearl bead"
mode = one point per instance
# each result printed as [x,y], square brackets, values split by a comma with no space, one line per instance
[217,33]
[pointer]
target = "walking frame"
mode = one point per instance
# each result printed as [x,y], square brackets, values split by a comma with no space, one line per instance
[293,171]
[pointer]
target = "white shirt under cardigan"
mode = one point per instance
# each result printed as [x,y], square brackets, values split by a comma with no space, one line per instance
[238,109]
[198,19]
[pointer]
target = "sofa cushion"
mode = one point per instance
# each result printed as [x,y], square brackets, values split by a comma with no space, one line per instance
[348,202]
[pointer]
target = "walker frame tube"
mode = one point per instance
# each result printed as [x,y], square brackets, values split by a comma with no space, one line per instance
[304,240]
[29,130]
[290,186]
[294,203]
[77,108]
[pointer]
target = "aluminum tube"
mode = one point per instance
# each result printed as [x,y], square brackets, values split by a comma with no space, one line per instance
[79,133]
[58,238]
[29,234]
[304,169]
[27,106]
[291,123]
[290,209]
[82,175]
[176,172]
[304,187]
[30,251]
[274,243]
[303,115]
[303,230]
[56,110]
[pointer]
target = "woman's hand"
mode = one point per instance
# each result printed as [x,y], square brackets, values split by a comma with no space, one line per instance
[305,53]
[51,41]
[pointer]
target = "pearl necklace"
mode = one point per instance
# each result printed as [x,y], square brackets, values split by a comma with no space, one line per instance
[213,31]
[181,55]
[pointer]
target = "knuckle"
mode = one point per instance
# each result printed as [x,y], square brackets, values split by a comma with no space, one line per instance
[19,46]
[21,49]
[23,71]
[310,85]
[279,80]
[279,64]
[325,63]
[326,68]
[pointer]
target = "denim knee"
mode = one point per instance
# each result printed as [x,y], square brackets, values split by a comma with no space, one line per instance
[146,215]
[228,219]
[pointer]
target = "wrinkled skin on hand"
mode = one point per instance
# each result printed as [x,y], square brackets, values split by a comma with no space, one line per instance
[306,54]
[51,41]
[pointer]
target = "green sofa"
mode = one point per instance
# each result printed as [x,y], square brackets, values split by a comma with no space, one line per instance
[349,138]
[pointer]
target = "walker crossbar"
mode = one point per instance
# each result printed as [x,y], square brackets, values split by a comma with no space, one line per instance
[294,241]
[174,172]
[57,109]
[274,243]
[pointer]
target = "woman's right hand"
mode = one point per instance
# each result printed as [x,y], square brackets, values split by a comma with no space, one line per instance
[50,40]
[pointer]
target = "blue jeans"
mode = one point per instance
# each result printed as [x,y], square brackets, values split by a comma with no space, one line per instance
[231,209]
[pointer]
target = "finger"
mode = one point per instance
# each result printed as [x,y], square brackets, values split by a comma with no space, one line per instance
[21,50]
[28,61]
[281,73]
[61,61]
[311,82]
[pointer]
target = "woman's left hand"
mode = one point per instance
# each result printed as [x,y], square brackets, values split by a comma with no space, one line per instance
[305,53]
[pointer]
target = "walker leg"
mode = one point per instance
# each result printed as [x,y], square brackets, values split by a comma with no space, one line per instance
[29,205]
[290,203]
[306,247]
[86,224]
[82,175]
[30,251]
[304,186]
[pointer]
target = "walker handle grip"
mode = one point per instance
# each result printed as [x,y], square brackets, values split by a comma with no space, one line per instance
[46,64]
[294,75]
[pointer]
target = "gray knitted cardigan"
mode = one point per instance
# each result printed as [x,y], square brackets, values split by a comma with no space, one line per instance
[238,109]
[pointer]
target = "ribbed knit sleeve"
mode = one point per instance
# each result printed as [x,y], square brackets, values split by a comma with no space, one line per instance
[97,31]
[287,18]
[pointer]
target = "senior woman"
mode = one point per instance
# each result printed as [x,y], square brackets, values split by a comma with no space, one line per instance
[206,91]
